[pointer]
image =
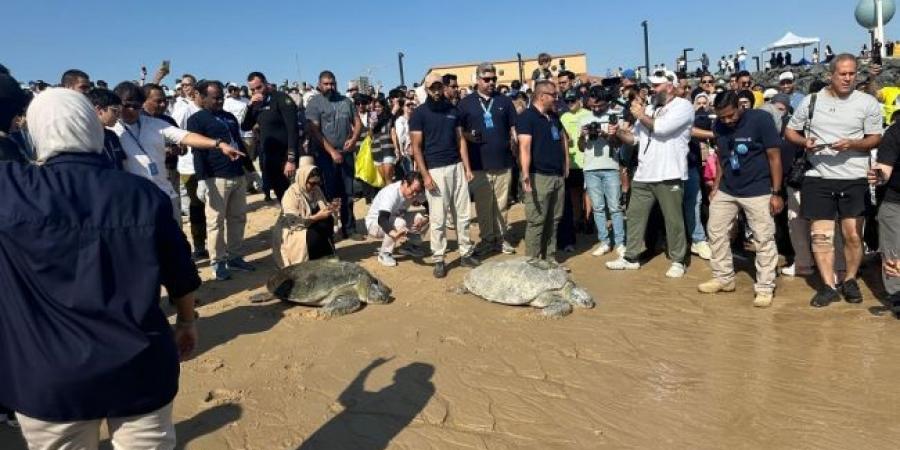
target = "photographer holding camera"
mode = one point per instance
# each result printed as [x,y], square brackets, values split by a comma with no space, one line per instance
[603,174]
[662,132]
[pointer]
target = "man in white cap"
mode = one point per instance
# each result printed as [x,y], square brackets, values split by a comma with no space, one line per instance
[786,84]
[661,133]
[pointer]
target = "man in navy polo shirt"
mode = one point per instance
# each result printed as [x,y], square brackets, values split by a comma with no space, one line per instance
[222,182]
[544,154]
[488,120]
[748,180]
[442,158]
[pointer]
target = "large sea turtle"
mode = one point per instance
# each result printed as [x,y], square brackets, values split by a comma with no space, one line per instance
[526,281]
[338,287]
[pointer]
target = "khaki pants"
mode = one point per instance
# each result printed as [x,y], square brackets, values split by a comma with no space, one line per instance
[491,191]
[452,196]
[152,431]
[543,211]
[889,240]
[226,216]
[723,213]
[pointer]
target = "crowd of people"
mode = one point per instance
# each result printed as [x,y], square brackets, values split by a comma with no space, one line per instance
[97,180]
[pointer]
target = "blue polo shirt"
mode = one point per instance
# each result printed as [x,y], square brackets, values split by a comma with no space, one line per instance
[494,152]
[748,141]
[547,154]
[84,249]
[440,147]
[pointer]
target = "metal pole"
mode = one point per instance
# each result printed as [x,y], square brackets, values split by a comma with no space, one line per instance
[400,61]
[756,58]
[521,69]
[646,48]
[879,13]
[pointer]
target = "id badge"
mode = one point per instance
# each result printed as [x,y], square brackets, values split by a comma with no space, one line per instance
[554,132]
[488,120]
[154,171]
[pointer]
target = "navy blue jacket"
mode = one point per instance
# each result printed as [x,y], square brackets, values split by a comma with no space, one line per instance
[84,249]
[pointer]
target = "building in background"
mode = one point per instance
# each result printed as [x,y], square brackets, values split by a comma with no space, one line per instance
[508,70]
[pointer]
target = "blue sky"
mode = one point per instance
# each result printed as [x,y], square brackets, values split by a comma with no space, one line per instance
[296,39]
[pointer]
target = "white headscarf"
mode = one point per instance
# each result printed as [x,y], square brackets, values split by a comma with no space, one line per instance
[63,121]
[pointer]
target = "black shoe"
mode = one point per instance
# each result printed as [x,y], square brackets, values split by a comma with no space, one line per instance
[850,291]
[469,261]
[200,255]
[894,301]
[825,297]
[440,270]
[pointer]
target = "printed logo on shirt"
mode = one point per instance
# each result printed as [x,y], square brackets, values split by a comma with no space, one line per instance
[451,116]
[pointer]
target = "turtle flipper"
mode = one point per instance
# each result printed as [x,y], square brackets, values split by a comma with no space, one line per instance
[261,297]
[339,306]
[556,309]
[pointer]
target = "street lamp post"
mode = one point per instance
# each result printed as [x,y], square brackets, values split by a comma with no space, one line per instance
[400,56]
[684,53]
[756,58]
[646,48]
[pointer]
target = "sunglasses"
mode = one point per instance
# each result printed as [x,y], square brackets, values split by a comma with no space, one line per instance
[489,79]
[132,105]
[707,81]
[786,82]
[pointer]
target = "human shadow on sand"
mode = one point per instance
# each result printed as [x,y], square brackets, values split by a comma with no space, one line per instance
[370,420]
[226,325]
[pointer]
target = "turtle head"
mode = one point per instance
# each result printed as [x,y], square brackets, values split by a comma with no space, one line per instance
[578,296]
[378,293]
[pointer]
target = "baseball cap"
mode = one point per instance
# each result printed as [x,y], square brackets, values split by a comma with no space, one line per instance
[570,95]
[663,76]
[786,76]
[769,93]
[781,98]
[352,84]
[432,78]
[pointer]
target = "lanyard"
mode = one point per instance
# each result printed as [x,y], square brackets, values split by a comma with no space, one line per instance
[135,138]
[489,106]
[227,129]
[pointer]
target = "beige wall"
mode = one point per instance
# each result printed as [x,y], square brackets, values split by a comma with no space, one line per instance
[508,70]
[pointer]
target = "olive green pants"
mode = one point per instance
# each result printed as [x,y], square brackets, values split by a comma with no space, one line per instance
[670,195]
[543,210]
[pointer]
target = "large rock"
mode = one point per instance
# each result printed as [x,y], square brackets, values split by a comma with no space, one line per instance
[805,75]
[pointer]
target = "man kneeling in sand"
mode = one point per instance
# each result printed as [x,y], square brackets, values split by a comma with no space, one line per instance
[388,217]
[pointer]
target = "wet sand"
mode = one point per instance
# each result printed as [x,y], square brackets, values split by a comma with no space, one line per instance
[654,365]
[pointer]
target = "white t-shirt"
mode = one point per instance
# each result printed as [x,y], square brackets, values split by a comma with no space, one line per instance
[388,199]
[237,107]
[183,110]
[854,117]
[145,144]
[402,127]
[742,55]
[662,154]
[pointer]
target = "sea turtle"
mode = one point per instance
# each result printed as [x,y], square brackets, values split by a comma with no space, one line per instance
[527,281]
[339,287]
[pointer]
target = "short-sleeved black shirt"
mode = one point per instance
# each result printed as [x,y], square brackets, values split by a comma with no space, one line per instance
[493,152]
[212,163]
[438,127]
[547,153]
[889,154]
[750,175]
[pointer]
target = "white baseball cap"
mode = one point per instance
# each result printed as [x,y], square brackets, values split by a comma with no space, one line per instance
[786,76]
[663,76]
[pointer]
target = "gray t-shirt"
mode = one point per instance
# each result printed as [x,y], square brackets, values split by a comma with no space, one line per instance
[334,117]
[597,153]
[833,119]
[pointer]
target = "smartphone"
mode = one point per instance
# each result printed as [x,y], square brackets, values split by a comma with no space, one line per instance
[879,177]
[166,65]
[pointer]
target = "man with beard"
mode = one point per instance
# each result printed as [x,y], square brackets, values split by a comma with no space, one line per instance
[442,157]
[279,138]
[662,133]
[451,88]
[488,120]
[334,129]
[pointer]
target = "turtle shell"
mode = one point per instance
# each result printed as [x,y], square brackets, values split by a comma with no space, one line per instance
[514,281]
[311,282]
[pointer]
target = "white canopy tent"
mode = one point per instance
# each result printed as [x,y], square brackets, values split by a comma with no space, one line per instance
[791,40]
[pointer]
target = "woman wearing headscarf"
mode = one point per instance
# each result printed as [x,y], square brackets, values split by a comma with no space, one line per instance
[305,230]
[85,249]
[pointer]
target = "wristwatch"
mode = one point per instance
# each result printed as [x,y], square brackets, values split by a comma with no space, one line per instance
[217,144]
[179,323]
[776,191]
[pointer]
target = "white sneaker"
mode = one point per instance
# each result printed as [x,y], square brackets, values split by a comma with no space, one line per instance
[622,264]
[507,248]
[676,270]
[793,271]
[386,259]
[601,250]
[702,250]
[621,251]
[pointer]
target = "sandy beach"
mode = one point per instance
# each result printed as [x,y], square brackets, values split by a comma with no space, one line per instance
[655,365]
